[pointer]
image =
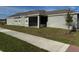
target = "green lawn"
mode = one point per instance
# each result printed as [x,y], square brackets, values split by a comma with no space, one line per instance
[51,33]
[11,44]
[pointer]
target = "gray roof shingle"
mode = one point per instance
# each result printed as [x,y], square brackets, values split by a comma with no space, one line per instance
[41,12]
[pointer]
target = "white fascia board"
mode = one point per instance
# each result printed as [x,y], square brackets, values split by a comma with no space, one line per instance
[32,15]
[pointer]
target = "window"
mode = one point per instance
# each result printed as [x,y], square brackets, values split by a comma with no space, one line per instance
[26,20]
[16,21]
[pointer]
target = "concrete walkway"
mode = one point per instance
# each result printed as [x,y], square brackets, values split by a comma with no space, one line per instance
[40,42]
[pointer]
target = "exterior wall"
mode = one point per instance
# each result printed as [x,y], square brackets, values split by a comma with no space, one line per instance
[75,20]
[58,21]
[18,22]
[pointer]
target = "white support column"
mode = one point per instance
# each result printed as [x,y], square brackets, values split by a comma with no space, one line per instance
[38,21]
[28,21]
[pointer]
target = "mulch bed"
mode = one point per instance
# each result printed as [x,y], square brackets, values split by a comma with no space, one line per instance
[73,48]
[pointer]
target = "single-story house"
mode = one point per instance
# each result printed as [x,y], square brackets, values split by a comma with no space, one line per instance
[42,18]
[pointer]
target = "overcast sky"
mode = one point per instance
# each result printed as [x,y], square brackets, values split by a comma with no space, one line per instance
[9,10]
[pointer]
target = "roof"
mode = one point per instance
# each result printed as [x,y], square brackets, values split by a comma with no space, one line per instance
[59,11]
[41,12]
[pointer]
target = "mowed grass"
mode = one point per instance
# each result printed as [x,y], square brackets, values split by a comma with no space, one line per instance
[50,33]
[11,44]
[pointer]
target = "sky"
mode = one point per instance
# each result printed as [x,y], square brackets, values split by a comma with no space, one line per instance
[6,11]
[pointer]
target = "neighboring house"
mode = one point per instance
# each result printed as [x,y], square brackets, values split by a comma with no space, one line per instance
[42,18]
